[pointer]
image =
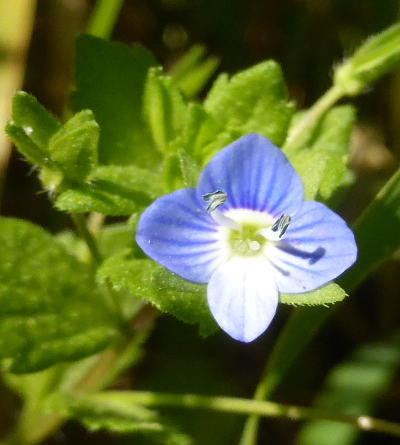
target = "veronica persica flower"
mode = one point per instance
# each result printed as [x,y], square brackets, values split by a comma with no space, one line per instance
[247,232]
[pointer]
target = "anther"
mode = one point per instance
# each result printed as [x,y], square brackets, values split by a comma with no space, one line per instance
[278,228]
[281,224]
[216,199]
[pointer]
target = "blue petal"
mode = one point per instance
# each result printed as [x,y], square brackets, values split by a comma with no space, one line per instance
[176,232]
[255,175]
[318,247]
[243,297]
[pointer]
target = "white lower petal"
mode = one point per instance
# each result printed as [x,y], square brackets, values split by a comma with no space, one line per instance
[243,296]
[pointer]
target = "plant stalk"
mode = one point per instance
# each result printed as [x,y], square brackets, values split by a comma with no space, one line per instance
[313,114]
[104,17]
[247,406]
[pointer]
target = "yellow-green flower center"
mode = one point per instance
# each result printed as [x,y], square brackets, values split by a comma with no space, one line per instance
[247,241]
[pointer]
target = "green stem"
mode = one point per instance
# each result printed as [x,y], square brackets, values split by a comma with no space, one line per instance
[314,113]
[104,16]
[246,406]
[81,226]
[295,335]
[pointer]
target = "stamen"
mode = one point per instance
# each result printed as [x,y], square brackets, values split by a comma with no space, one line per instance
[278,229]
[216,199]
[281,224]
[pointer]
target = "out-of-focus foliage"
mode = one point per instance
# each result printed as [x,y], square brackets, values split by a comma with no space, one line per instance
[353,387]
[51,310]
[110,79]
[117,416]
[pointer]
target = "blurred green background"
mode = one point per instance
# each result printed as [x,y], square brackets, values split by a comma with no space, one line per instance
[307,37]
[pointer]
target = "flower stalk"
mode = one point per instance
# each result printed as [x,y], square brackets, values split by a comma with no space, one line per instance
[246,406]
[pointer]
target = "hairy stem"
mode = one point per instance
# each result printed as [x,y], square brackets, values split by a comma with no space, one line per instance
[246,406]
[81,226]
[313,114]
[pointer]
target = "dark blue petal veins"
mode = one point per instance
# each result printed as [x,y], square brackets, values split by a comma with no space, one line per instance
[255,175]
[176,232]
[317,248]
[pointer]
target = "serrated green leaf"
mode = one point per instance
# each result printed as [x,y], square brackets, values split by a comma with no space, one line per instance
[110,80]
[185,300]
[328,294]
[113,190]
[34,119]
[74,146]
[352,387]
[164,109]
[45,316]
[254,100]
[98,411]
[322,162]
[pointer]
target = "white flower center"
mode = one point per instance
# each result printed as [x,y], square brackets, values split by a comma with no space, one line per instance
[245,232]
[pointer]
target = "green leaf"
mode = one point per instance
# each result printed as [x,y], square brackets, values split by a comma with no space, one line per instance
[353,388]
[169,293]
[114,238]
[195,80]
[110,80]
[377,233]
[74,147]
[200,129]
[35,387]
[190,169]
[164,109]
[322,164]
[192,72]
[25,145]
[113,190]
[188,62]
[45,316]
[254,100]
[34,119]
[328,294]
[100,411]
[172,174]
[31,128]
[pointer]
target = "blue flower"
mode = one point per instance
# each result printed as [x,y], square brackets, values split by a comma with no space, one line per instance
[247,232]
